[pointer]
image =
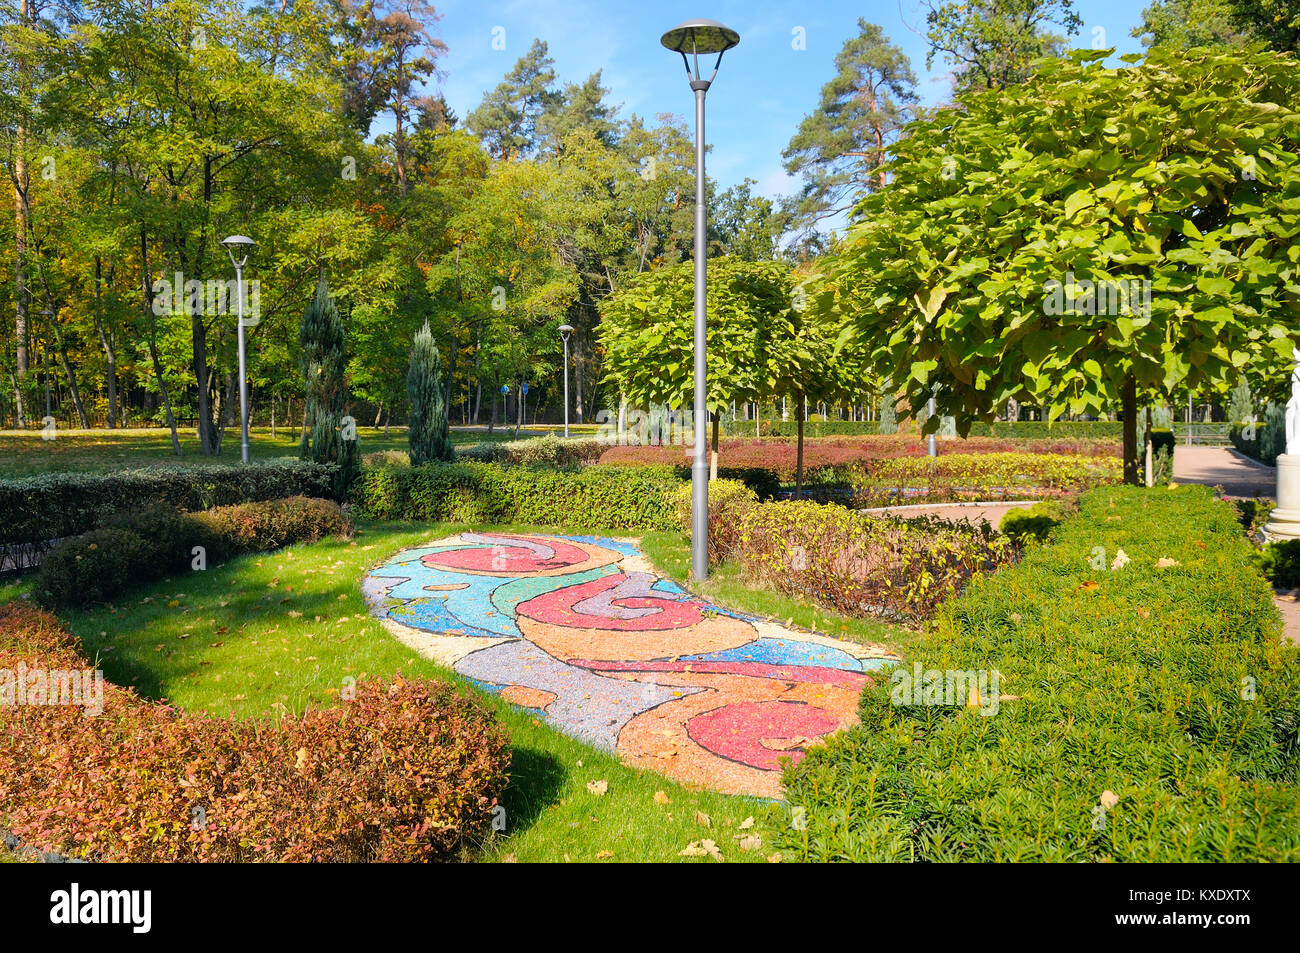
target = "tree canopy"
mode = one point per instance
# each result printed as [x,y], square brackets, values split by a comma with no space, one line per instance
[991,265]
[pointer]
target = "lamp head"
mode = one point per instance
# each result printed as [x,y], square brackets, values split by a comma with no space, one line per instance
[565,330]
[700,36]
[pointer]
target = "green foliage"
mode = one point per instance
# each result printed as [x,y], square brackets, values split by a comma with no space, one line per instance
[547,450]
[320,786]
[1240,404]
[994,43]
[1280,563]
[858,565]
[427,421]
[647,331]
[729,500]
[53,506]
[1264,440]
[839,148]
[1166,685]
[1183,24]
[1083,171]
[323,360]
[136,547]
[595,498]
[1035,521]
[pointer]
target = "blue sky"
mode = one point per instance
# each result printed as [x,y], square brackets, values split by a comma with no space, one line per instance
[764,87]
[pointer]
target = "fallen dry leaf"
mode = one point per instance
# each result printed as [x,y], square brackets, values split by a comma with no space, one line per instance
[1164,562]
[703,819]
[662,798]
[598,788]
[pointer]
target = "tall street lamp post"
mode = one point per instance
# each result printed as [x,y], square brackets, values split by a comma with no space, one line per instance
[565,331]
[695,37]
[246,244]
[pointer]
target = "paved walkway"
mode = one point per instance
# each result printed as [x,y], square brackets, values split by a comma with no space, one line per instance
[1225,467]
[581,629]
[972,513]
[1243,477]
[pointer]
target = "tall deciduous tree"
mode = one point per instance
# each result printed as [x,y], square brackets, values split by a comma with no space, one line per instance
[992,43]
[763,342]
[1182,24]
[1091,236]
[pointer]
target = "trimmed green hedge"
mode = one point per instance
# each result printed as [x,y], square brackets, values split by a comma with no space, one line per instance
[1268,435]
[1148,712]
[52,506]
[598,497]
[138,546]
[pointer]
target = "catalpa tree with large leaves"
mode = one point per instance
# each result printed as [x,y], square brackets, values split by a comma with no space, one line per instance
[1000,259]
[763,340]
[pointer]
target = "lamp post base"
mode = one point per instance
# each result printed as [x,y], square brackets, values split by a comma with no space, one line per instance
[1284,521]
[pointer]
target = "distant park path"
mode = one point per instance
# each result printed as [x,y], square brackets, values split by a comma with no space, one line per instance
[584,631]
[1221,466]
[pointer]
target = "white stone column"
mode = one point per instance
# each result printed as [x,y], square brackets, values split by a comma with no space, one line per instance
[1284,522]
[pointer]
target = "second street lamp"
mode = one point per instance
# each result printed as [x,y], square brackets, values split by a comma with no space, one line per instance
[246,244]
[695,37]
[565,331]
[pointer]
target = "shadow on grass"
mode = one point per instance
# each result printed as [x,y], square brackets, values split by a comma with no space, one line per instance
[537,779]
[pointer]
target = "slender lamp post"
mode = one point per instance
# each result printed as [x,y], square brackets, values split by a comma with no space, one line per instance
[246,244]
[565,331]
[695,37]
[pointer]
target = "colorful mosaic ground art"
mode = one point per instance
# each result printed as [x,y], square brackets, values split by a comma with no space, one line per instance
[583,630]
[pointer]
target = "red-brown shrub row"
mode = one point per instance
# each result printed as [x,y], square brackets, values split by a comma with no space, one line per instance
[409,770]
[779,454]
[856,564]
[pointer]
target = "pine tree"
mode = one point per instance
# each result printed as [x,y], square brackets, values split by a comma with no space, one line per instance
[329,436]
[427,430]
[838,149]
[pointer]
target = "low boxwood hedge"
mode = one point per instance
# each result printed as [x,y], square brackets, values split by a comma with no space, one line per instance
[36,509]
[406,770]
[634,498]
[1145,710]
[141,545]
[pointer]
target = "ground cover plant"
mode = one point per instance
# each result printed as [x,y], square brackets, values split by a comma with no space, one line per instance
[1145,708]
[141,781]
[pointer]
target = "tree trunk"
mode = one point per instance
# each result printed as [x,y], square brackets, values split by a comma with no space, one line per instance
[798,466]
[1128,404]
[72,378]
[152,324]
[713,461]
[106,342]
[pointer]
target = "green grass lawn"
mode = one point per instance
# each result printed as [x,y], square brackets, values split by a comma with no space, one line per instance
[274,633]
[26,453]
